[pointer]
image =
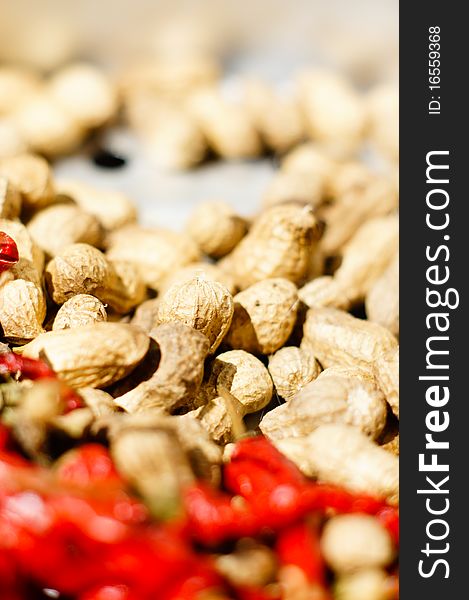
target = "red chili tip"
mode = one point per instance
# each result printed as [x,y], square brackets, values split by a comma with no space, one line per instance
[8,252]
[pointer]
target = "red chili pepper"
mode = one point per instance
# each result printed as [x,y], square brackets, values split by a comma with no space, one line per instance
[260,451]
[214,517]
[86,465]
[299,545]
[28,368]
[8,252]
[389,517]
[251,593]
[109,592]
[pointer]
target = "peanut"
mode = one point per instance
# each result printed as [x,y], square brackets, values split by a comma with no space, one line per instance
[351,542]
[82,269]
[365,258]
[57,226]
[216,228]
[377,197]
[382,300]
[16,84]
[292,369]
[10,199]
[169,133]
[92,355]
[343,455]
[85,94]
[310,158]
[222,418]
[112,209]
[32,177]
[80,310]
[22,299]
[205,305]
[281,243]
[302,187]
[243,376]
[386,369]
[156,253]
[277,118]
[250,564]
[335,113]
[11,141]
[179,374]
[205,270]
[146,315]
[226,125]
[46,127]
[337,338]
[336,396]
[152,460]
[365,584]
[264,316]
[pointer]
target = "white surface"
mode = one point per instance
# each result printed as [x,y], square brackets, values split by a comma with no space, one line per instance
[167,198]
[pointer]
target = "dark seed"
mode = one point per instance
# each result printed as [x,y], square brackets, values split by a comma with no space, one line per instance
[108,160]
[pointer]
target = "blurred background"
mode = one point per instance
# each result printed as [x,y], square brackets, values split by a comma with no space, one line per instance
[271,39]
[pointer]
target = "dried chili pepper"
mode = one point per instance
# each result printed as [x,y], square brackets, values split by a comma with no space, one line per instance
[9,255]
[299,545]
[87,465]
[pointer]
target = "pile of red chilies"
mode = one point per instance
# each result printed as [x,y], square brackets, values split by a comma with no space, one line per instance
[79,532]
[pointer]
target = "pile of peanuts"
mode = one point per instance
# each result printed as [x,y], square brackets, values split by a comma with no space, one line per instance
[286,322]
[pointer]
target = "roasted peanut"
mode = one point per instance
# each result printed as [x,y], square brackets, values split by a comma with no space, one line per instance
[281,243]
[32,177]
[83,269]
[365,258]
[386,369]
[169,133]
[278,118]
[179,374]
[351,542]
[243,376]
[377,196]
[382,300]
[146,315]
[310,158]
[16,84]
[82,309]
[112,208]
[292,369]
[216,228]
[227,126]
[264,316]
[205,270]
[85,94]
[92,355]
[343,455]
[46,127]
[302,187]
[336,396]
[152,460]
[250,564]
[222,418]
[156,253]
[364,584]
[335,113]
[22,299]
[338,338]
[10,199]
[204,305]
[57,226]
[11,141]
